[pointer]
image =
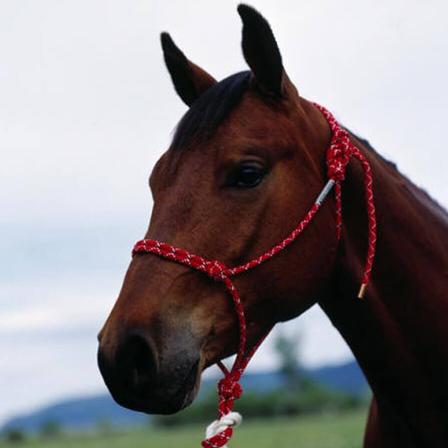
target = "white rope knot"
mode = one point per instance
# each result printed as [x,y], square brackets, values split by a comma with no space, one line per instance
[229,420]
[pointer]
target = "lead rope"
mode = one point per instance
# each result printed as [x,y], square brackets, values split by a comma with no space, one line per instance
[229,389]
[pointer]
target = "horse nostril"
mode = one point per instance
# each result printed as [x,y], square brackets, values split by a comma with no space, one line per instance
[137,361]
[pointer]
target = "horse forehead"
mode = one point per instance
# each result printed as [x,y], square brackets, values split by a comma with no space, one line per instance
[181,181]
[253,123]
[177,167]
[256,120]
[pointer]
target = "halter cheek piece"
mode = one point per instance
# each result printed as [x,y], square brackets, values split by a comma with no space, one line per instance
[338,156]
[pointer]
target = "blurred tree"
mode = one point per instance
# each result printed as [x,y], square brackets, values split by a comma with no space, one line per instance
[289,354]
[50,428]
[104,426]
[15,435]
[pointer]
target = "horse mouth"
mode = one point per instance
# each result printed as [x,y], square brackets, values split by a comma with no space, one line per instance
[190,386]
[167,397]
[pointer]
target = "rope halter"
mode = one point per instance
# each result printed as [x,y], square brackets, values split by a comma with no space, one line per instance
[340,152]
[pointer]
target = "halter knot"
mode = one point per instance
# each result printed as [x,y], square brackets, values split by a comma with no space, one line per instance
[216,270]
[229,389]
[219,440]
[220,431]
[338,155]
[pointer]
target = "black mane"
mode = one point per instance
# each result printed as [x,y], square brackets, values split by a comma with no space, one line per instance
[210,109]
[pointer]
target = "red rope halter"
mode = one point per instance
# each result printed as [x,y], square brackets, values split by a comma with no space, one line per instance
[338,156]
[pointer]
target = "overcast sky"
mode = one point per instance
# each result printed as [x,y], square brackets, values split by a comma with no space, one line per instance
[87,107]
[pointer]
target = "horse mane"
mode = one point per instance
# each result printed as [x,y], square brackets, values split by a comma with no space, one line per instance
[417,190]
[210,109]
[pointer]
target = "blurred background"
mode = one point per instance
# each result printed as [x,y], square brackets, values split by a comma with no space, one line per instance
[87,107]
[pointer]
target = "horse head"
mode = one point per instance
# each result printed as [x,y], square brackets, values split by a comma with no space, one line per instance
[245,164]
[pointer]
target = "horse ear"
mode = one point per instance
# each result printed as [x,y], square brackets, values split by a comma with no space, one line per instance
[261,51]
[189,80]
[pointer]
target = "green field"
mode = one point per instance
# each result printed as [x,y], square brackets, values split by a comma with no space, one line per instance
[326,431]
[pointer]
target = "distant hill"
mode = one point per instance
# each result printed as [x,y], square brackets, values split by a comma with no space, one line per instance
[78,414]
[346,377]
[89,412]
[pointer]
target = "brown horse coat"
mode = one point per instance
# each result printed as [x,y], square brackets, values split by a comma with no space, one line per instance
[245,162]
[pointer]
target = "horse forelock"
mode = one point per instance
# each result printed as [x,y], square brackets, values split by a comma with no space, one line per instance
[210,110]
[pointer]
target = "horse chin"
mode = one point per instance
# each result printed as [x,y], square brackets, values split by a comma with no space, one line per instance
[189,390]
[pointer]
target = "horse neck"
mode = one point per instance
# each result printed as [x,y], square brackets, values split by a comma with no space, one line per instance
[398,333]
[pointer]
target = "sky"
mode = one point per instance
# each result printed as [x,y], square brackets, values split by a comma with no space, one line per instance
[87,107]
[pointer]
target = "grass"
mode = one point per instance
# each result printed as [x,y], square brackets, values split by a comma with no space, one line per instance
[323,431]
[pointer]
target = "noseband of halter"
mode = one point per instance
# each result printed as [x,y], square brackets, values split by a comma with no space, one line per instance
[338,156]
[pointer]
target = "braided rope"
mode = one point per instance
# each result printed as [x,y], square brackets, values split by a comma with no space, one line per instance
[338,156]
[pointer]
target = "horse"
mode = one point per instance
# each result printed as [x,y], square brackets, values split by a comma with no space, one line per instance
[244,164]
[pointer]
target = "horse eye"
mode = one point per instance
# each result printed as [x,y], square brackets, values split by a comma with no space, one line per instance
[247,175]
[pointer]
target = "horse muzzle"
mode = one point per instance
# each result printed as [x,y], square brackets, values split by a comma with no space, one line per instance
[142,379]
